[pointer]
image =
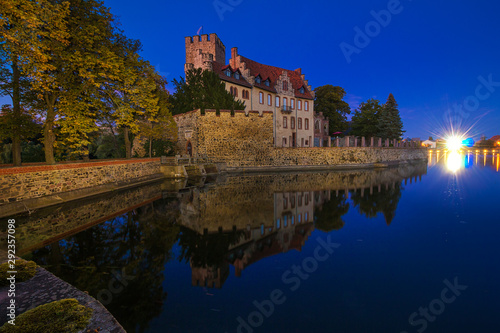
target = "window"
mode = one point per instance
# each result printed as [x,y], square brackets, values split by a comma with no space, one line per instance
[258,79]
[300,218]
[277,102]
[285,203]
[299,123]
[285,85]
[302,142]
[306,123]
[228,72]
[284,142]
[299,104]
[302,90]
[305,217]
[231,91]
[285,123]
[261,98]
[306,105]
[285,221]
[292,122]
[269,100]
[235,91]
[292,103]
[278,223]
[237,76]
[316,125]
[284,102]
[267,82]
[300,201]
[262,229]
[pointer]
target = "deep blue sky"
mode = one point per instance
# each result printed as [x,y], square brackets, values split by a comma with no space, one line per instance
[429,56]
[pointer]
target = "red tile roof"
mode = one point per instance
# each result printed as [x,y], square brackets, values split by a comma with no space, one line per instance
[496,138]
[219,69]
[273,73]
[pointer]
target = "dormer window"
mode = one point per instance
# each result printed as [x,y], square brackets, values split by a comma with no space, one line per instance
[237,76]
[258,79]
[267,83]
[302,90]
[228,72]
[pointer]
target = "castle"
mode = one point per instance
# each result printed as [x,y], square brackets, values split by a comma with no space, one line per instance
[263,88]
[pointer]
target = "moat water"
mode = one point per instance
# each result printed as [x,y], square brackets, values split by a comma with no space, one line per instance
[406,249]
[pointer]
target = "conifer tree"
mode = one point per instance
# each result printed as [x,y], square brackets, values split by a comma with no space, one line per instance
[202,90]
[390,123]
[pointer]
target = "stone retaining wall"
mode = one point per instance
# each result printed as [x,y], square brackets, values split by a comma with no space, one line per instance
[21,183]
[246,140]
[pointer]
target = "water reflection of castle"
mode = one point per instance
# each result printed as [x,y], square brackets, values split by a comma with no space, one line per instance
[245,219]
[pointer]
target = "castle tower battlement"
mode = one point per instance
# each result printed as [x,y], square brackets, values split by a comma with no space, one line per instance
[200,49]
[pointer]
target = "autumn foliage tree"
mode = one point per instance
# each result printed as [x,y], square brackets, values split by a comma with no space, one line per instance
[24,24]
[81,70]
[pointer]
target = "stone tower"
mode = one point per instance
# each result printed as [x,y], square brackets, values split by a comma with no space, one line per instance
[202,50]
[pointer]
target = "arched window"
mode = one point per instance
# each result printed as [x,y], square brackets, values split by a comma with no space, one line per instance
[269,100]
[285,102]
[299,123]
[267,82]
[285,123]
[292,103]
[235,91]
[277,101]
[306,123]
[231,91]
[292,122]
[306,106]
[285,85]
[299,104]
[261,98]
[258,79]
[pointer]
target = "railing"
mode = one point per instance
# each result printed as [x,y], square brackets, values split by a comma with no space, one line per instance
[353,141]
[286,108]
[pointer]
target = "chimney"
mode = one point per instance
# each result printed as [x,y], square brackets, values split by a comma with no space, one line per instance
[234,54]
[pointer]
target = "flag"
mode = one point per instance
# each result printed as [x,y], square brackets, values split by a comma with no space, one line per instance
[200,30]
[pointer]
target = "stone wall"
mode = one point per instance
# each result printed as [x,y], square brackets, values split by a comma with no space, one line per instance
[246,140]
[53,223]
[21,183]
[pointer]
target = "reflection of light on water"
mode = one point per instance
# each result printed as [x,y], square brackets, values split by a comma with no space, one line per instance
[498,162]
[454,162]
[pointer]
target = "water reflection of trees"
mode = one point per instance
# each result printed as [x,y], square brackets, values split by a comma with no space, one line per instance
[328,215]
[138,242]
[384,200]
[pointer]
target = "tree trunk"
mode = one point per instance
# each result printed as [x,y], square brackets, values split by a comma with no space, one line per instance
[16,102]
[150,144]
[49,138]
[128,148]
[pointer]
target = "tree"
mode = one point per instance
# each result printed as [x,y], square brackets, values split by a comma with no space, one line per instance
[365,120]
[160,126]
[390,124]
[329,100]
[133,95]
[23,24]
[202,90]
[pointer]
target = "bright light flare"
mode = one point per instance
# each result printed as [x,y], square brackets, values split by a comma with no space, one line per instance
[454,143]
[454,162]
